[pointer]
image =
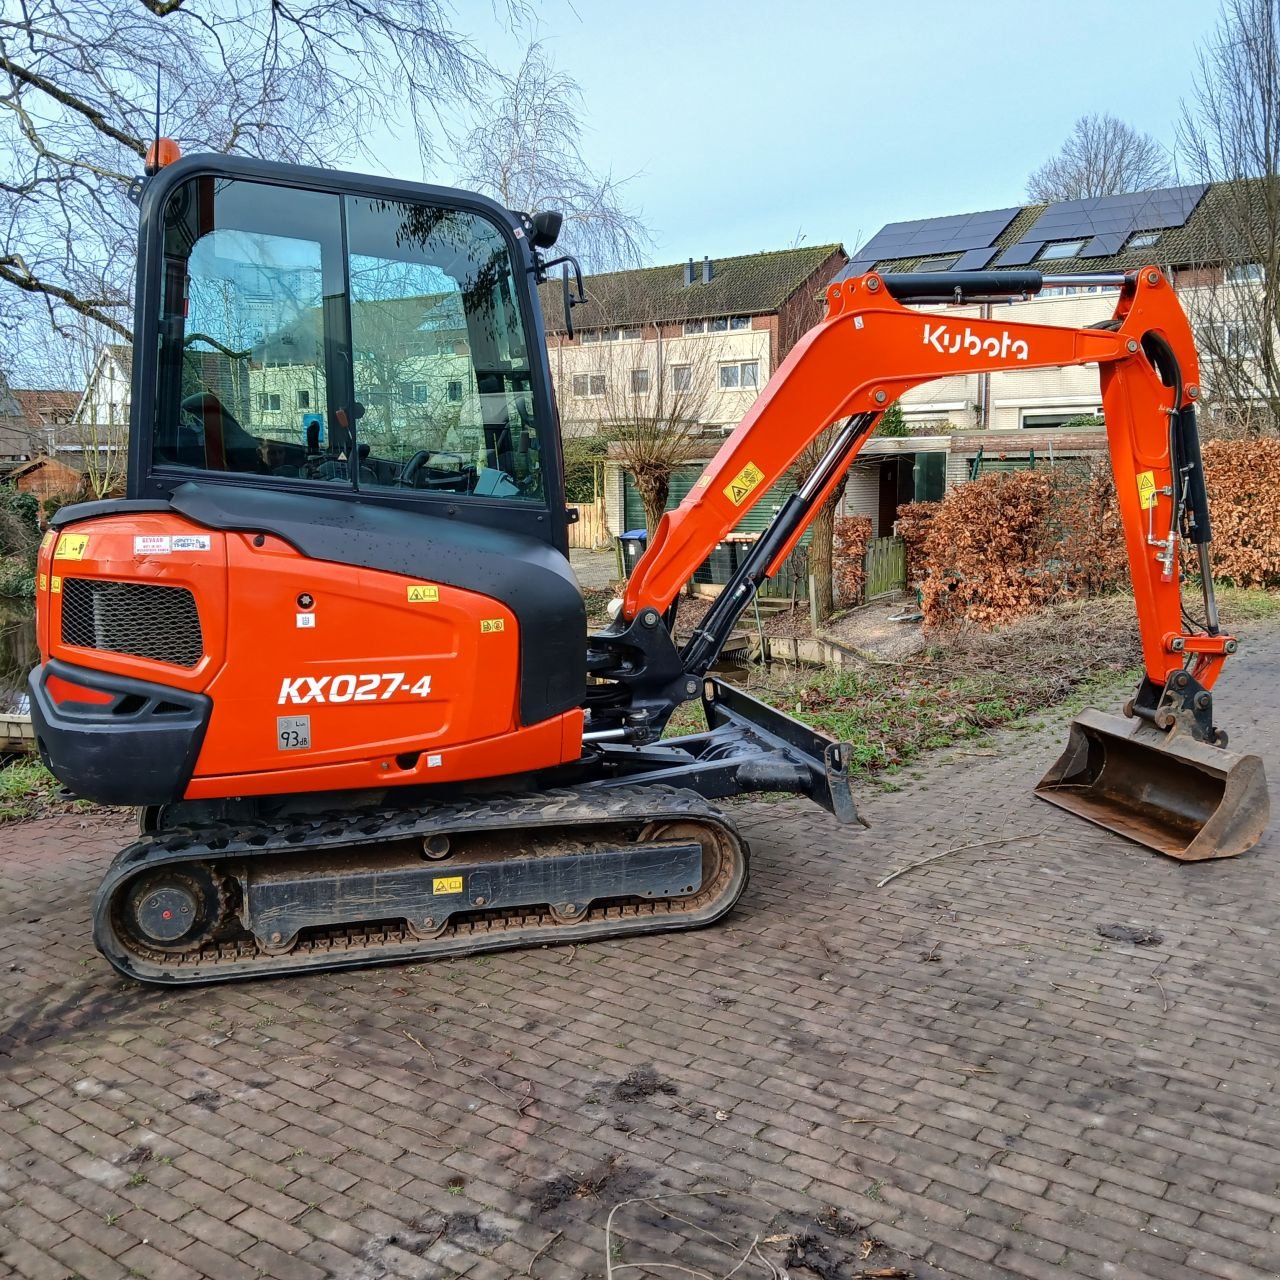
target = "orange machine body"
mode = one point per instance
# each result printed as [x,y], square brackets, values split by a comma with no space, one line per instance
[400,680]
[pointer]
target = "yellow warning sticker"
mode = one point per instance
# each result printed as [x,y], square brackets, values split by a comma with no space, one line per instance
[493,624]
[48,540]
[443,885]
[44,582]
[1146,489]
[744,484]
[71,546]
[55,585]
[420,593]
[703,480]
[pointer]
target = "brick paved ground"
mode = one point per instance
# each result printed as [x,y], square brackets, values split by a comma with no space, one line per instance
[956,1062]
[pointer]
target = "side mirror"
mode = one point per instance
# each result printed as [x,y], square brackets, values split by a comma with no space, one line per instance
[546,228]
[570,301]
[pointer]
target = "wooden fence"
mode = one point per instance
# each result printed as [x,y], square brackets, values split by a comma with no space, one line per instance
[886,567]
[590,531]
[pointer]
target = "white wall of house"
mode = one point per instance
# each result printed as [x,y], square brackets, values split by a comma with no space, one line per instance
[1017,398]
[106,398]
[586,403]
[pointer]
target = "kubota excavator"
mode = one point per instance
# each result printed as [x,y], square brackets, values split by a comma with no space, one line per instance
[330,643]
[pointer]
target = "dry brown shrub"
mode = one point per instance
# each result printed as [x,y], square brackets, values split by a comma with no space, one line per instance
[1243,479]
[852,534]
[985,550]
[912,526]
[1010,543]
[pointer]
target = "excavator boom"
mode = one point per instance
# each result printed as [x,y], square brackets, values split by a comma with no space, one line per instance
[1162,777]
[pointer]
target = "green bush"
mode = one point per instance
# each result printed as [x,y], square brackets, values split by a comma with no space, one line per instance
[582,457]
[892,423]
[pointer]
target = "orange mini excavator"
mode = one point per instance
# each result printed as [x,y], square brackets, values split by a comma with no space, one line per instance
[330,642]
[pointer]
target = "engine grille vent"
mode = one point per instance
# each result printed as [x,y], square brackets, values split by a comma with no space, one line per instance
[137,618]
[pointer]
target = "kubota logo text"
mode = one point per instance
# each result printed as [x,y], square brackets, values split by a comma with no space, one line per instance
[946,343]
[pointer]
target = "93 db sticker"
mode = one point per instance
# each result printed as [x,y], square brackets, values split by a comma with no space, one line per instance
[293,733]
[352,688]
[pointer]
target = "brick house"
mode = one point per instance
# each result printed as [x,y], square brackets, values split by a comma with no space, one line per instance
[963,425]
[710,332]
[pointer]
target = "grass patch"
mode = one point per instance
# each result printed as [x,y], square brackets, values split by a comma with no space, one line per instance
[965,683]
[1237,604]
[28,790]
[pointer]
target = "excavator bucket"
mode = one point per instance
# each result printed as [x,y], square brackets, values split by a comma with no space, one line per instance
[1167,791]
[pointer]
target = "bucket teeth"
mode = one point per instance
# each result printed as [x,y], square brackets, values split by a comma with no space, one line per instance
[1166,791]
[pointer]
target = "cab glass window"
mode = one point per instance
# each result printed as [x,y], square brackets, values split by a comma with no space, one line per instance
[358,342]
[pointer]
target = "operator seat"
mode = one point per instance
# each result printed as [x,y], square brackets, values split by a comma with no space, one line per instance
[227,445]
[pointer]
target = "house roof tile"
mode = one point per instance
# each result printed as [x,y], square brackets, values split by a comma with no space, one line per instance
[750,284]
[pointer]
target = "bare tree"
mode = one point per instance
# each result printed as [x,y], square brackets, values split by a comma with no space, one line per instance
[1102,156]
[526,151]
[304,82]
[1230,135]
[647,391]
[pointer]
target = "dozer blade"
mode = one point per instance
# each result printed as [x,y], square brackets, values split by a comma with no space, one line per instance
[1167,791]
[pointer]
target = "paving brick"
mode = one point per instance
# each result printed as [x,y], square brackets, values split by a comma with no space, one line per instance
[1034,1108]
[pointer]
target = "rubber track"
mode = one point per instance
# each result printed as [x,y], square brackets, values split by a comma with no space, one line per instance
[478,931]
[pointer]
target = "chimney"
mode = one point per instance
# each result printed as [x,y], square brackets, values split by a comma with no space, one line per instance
[688,273]
[707,271]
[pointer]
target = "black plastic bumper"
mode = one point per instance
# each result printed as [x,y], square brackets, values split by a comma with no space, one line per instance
[139,748]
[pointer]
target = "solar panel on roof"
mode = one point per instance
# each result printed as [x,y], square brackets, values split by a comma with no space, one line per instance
[1105,245]
[926,237]
[1106,221]
[1018,255]
[974,259]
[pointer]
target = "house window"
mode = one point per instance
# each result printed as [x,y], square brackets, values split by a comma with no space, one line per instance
[591,335]
[695,326]
[304,399]
[629,335]
[1061,418]
[681,377]
[739,322]
[268,402]
[1142,239]
[1228,341]
[937,264]
[739,375]
[419,393]
[588,384]
[454,391]
[639,382]
[1061,249]
[720,325]
[1244,273]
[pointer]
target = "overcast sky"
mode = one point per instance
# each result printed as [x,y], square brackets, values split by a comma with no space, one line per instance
[751,123]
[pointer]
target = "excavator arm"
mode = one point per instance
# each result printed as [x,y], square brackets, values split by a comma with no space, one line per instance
[870,348]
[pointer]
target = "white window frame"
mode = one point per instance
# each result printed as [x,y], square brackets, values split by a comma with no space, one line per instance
[682,373]
[937,264]
[640,381]
[1065,412]
[694,326]
[589,386]
[1070,249]
[1143,240]
[1244,273]
[740,368]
